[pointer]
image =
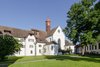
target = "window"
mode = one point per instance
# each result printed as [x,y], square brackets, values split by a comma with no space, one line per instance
[51,47]
[90,47]
[95,47]
[30,46]
[31,40]
[59,45]
[39,45]
[44,50]
[87,47]
[99,45]
[22,39]
[23,46]
[39,51]
[58,31]
[31,51]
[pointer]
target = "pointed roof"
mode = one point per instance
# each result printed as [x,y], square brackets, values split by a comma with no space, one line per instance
[52,31]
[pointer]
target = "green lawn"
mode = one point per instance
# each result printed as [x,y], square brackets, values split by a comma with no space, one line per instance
[54,61]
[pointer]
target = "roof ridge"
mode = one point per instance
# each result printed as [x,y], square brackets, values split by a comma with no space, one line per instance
[14,28]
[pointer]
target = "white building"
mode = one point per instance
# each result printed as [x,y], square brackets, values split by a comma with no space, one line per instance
[91,49]
[69,45]
[95,49]
[37,42]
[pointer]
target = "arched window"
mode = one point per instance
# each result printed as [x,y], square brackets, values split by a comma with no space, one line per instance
[59,44]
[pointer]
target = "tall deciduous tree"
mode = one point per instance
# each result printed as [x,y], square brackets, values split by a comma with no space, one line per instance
[97,28]
[83,23]
[8,46]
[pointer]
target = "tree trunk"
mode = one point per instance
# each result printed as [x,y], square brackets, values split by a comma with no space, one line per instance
[82,51]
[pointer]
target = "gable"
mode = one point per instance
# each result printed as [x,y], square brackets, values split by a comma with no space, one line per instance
[58,31]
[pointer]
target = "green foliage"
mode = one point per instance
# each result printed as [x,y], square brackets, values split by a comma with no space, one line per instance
[83,23]
[8,46]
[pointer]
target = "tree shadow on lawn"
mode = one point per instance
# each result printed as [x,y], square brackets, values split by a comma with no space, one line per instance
[74,58]
[93,55]
[8,61]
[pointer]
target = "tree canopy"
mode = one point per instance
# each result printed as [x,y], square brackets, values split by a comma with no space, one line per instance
[8,46]
[83,23]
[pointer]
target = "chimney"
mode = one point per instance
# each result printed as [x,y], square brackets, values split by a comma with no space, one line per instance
[48,23]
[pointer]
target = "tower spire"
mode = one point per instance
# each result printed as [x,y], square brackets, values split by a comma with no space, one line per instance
[48,24]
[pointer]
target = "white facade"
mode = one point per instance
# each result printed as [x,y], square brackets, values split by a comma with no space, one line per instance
[36,42]
[93,49]
[58,35]
[51,49]
[33,48]
[28,46]
[40,48]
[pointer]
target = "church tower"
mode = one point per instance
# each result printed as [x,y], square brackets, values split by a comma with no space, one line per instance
[48,25]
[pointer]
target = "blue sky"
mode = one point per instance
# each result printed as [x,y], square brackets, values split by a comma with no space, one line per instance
[27,14]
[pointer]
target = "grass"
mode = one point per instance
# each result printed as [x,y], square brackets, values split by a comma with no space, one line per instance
[54,61]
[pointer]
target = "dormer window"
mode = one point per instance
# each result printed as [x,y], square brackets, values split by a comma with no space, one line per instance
[1,32]
[7,31]
[31,34]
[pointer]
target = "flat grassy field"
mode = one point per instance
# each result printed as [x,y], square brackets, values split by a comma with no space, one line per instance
[53,61]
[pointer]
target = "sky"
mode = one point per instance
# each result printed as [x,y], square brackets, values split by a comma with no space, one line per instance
[28,14]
